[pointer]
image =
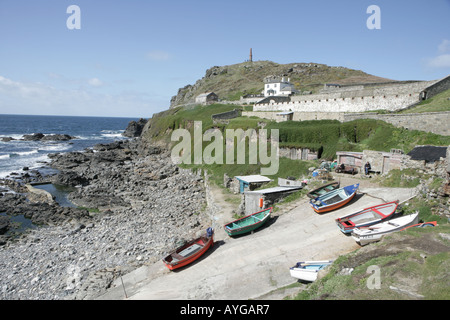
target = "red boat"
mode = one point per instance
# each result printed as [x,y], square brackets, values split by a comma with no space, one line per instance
[367,217]
[190,251]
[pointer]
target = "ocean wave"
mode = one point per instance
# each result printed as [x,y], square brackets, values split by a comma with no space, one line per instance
[4,156]
[112,133]
[24,153]
[54,147]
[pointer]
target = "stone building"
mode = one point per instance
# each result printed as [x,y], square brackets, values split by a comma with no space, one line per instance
[206,98]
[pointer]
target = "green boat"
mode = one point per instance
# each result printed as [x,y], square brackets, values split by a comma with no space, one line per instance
[323,189]
[248,223]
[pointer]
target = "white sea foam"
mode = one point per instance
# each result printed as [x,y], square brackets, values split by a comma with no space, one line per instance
[55,147]
[25,153]
[4,156]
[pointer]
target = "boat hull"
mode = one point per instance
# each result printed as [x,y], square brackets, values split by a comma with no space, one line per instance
[334,200]
[308,270]
[189,252]
[377,231]
[248,223]
[367,217]
[323,190]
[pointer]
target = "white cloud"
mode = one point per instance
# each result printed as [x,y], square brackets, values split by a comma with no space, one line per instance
[444,46]
[95,82]
[443,59]
[157,55]
[40,99]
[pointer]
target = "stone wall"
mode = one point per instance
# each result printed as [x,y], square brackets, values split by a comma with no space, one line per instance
[435,122]
[336,103]
[297,153]
[438,87]
[226,115]
[361,98]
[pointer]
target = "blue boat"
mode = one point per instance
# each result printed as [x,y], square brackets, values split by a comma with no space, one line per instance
[334,199]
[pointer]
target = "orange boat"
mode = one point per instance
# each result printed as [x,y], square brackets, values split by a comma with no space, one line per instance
[334,199]
[190,251]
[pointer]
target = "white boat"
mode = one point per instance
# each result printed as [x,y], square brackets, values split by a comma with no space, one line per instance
[308,270]
[365,235]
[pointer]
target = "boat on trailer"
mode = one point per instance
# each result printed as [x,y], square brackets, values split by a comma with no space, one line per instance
[190,251]
[320,191]
[308,270]
[334,199]
[365,235]
[248,223]
[367,217]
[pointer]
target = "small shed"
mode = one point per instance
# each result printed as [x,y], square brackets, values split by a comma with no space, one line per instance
[285,116]
[265,198]
[251,182]
[350,158]
[205,98]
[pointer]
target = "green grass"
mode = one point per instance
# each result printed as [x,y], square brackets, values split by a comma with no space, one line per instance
[438,103]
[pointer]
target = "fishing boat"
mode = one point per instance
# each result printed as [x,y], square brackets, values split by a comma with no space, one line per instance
[190,251]
[308,270]
[320,191]
[367,217]
[365,235]
[334,199]
[248,223]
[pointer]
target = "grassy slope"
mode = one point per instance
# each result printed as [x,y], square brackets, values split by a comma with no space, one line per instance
[440,102]
[232,81]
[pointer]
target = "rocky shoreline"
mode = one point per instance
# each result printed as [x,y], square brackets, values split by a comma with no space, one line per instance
[137,206]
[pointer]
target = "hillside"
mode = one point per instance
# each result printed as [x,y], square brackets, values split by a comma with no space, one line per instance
[233,81]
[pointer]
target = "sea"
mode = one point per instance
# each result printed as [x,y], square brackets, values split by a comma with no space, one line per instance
[18,154]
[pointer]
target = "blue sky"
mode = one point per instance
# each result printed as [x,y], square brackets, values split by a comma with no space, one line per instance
[129,57]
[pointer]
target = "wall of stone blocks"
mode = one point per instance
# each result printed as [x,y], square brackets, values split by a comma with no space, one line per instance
[435,122]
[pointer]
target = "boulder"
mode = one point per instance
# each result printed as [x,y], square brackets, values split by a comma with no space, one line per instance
[134,128]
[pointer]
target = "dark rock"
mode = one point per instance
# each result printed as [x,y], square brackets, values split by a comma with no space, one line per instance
[134,128]
[49,137]
[4,224]
[57,137]
[70,178]
[33,137]
[7,139]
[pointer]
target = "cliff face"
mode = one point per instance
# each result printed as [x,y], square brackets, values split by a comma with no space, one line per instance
[232,81]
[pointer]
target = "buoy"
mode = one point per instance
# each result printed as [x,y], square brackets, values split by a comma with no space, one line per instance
[261,202]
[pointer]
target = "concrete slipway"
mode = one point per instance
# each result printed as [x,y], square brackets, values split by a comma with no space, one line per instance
[250,266]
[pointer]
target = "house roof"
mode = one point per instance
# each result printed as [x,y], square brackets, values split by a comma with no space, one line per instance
[205,94]
[253,178]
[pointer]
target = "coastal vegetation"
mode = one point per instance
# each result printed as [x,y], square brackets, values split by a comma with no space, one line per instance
[325,136]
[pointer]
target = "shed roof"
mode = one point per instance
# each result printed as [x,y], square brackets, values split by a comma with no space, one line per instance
[428,153]
[275,190]
[253,178]
[284,113]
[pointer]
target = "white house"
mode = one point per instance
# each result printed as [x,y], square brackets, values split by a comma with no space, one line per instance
[274,86]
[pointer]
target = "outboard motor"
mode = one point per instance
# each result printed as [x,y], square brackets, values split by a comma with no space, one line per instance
[209,232]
